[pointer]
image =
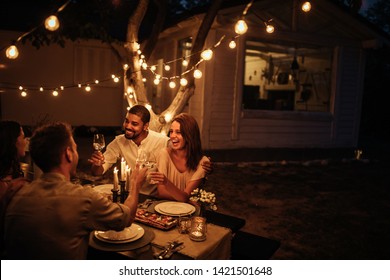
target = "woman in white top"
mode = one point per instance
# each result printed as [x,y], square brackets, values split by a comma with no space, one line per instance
[179,164]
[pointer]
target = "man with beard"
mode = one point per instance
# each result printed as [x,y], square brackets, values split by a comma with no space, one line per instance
[137,137]
[52,218]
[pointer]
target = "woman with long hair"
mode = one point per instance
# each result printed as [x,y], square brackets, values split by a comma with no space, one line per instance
[179,165]
[12,149]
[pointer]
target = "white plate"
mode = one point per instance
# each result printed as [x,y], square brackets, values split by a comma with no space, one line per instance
[104,189]
[129,234]
[174,208]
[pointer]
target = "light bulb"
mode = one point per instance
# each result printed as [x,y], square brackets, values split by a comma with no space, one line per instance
[172,84]
[87,88]
[183,82]
[197,74]
[306,7]
[96,81]
[144,66]
[207,54]
[167,67]
[41,89]
[156,81]
[23,93]
[270,28]
[185,63]
[116,79]
[55,93]
[232,44]
[168,117]
[52,23]
[12,52]
[241,27]
[125,66]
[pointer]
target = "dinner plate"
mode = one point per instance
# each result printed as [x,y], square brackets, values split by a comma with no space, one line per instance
[129,234]
[174,208]
[104,189]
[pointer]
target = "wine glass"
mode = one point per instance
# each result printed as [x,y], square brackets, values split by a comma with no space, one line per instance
[98,142]
[142,158]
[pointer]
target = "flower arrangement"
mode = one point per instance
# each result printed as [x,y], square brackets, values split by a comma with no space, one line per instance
[206,200]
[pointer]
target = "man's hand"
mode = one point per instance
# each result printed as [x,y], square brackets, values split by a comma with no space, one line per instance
[97,158]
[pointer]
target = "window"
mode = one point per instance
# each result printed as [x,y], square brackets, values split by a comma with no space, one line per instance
[287,79]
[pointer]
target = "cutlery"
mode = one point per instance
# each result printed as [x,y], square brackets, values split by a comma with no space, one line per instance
[169,250]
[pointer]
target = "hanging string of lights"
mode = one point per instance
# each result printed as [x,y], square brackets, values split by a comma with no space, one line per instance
[52,23]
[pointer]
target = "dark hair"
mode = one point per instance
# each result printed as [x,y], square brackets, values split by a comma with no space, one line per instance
[48,142]
[141,112]
[9,165]
[190,131]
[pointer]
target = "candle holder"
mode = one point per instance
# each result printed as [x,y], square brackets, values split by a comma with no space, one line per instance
[198,229]
[114,195]
[123,192]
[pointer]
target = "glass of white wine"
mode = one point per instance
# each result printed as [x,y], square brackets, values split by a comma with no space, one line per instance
[98,142]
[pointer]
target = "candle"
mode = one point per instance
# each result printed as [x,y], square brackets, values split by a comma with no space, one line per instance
[116,187]
[128,173]
[123,169]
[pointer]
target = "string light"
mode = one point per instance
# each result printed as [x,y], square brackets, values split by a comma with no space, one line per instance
[207,54]
[88,88]
[55,93]
[269,28]
[23,93]
[167,67]
[183,82]
[306,7]
[184,62]
[241,27]
[52,23]
[172,84]
[232,44]
[198,74]
[12,52]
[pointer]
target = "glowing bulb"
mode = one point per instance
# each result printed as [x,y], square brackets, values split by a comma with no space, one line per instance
[87,88]
[156,81]
[96,81]
[125,66]
[55,93]
[232,44]
[207,54]
[129,90]
[197,74]
[153,68]
[148,106]
[52,23]
[183,82]
[116,79]
[241,27]
[144,66]
[185,63]
[139,52]
[306,7]
[62,87]
[144,80]
[41,89]
[167,67]
[270,28]
[20,88]
[172,84]
[113,76]
[12,52]
[23,94]
[168,117]
[158,76]
[79,85]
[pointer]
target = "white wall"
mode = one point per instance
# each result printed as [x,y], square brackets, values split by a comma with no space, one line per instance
[53,66]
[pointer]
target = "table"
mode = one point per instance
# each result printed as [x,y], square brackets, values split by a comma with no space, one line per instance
[216,246]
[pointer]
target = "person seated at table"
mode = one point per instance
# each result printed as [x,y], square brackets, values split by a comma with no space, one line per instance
[12,149]
[52,218]
[179,164]
[137,137]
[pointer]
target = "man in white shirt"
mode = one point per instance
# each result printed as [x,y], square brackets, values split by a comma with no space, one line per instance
[137,136]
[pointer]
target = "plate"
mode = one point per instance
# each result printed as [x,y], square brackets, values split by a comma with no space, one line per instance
[104,189]
[129,234]
[174,208]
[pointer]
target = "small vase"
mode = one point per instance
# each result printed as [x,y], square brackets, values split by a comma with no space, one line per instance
[198,229]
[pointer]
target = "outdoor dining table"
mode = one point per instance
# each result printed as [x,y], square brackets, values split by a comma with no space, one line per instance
[216,246]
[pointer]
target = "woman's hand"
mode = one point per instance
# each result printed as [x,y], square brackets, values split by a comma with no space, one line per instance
[208,167]
[158,177]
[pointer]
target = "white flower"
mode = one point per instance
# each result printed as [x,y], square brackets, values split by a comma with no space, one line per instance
[204,198]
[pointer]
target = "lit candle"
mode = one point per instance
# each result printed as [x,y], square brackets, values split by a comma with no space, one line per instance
[128,173]
[123,169]
[116,183]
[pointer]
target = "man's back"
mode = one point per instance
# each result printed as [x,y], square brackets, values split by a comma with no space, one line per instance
[51,218]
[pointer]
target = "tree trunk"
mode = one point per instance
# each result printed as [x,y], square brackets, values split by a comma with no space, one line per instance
[133,76]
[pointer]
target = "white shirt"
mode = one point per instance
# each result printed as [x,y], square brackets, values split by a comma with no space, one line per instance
[123,147]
